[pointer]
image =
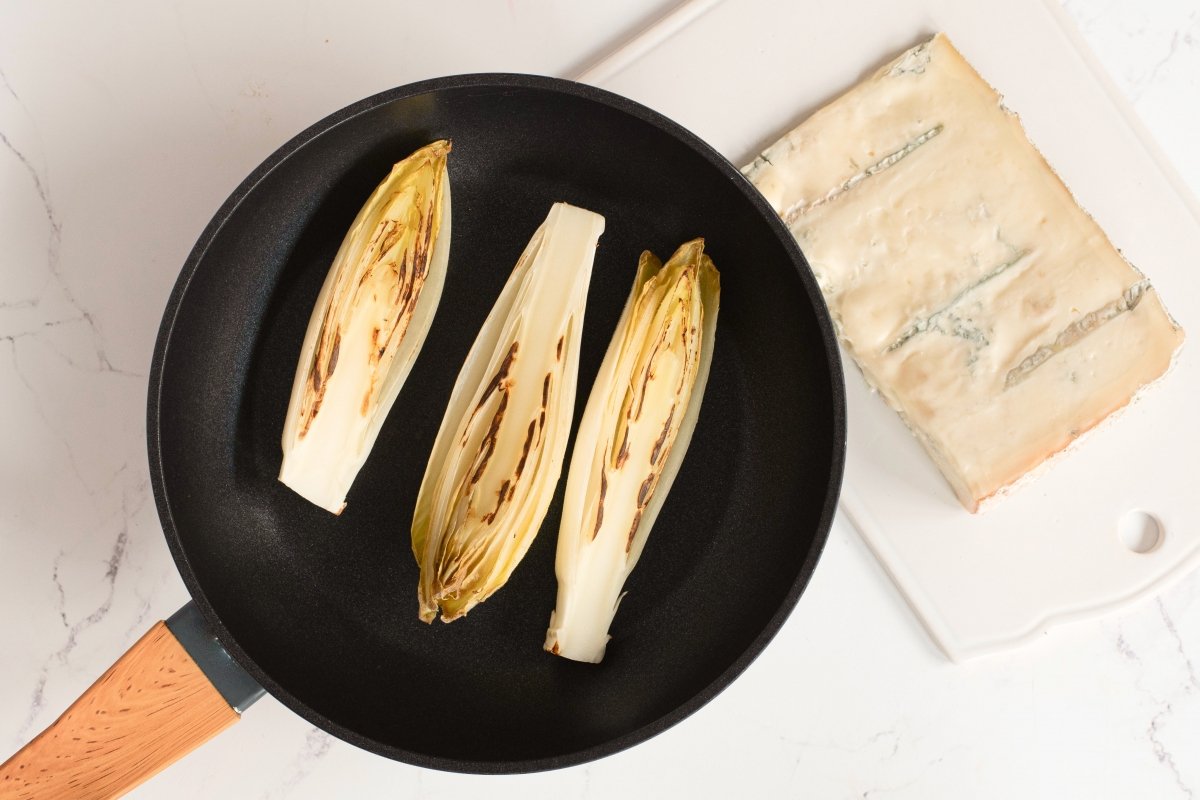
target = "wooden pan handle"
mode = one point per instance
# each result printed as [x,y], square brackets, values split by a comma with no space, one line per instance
[150,709]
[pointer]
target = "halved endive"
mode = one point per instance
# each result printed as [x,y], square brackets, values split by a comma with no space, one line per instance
[632,439]
[499,452]
[367,326]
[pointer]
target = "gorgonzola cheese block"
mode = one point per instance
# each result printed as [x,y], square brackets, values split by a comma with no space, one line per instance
[976,296]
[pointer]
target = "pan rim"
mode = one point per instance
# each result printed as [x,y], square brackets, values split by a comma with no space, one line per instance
[496,80]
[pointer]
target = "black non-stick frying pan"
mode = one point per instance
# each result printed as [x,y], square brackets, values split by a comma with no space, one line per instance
[321,611]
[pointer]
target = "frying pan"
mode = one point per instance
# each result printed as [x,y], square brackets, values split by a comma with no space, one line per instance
[320,611]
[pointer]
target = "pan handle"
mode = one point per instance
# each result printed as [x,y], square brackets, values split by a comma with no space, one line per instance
[172,691]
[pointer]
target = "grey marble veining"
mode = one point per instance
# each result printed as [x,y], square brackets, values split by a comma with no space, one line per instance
[123,126]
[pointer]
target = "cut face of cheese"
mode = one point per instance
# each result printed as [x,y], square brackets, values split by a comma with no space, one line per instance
[976,296]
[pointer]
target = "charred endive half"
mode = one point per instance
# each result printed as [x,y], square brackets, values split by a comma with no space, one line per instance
[367,326]
[499,451]
[631,442]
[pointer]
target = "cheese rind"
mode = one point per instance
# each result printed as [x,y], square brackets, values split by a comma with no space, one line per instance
[974,293]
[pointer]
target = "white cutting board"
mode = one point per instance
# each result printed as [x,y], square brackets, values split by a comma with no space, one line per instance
[740,73]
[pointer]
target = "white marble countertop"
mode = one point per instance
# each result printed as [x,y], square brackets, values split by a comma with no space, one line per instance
[125,124]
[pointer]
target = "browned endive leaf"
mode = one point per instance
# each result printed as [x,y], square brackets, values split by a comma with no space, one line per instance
[500,448]
[367,327]
[632,439]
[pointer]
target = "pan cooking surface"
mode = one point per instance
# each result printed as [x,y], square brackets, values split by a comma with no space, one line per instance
[322,609]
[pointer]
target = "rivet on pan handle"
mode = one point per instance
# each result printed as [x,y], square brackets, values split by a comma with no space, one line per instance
[172,691]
